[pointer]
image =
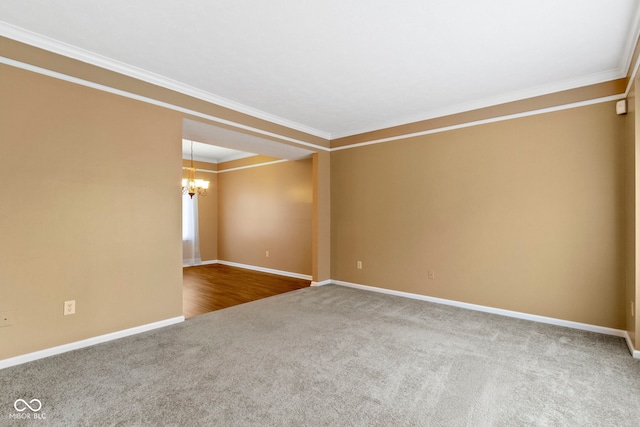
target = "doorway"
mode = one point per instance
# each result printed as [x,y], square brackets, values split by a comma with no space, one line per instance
[251,221]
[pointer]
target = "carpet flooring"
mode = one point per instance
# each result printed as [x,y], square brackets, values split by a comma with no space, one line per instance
[335,356]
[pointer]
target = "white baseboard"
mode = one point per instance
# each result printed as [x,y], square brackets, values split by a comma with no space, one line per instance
[324,282]
[635,353]
[195,264]
[261,269]
[265,270]
[516,314]
[5,363]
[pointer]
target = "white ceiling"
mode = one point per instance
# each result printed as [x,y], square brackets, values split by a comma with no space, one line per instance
[335,67]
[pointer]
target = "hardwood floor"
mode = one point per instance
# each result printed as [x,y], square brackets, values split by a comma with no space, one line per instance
[207,288]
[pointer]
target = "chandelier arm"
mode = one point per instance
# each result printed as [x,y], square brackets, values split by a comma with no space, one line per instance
[192,186]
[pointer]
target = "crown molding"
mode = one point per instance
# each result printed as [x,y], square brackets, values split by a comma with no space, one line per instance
[592,79]
[632,77]
[257,165]
[630,45]
[482,122]
[64,49]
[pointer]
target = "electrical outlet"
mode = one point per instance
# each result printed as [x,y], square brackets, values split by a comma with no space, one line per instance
[267,254]
[633,311]
[69,307]
[359,265]
[432,274]
[6,318]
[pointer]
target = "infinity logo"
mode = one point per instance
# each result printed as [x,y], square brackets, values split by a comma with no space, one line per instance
[26,405]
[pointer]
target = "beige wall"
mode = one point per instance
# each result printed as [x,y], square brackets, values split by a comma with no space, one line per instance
[525,214]
[207,210]
[89,210]
[635,293]
[267,208]
[279,200]
[632,141]
[321,247]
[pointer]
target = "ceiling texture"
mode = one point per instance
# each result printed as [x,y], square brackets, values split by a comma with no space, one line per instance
[335,68]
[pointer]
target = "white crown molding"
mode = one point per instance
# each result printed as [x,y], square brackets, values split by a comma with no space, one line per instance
[492,310]
[481,122]
[634,72]
[633,77]
[240,167]
[630,45]
[64,49]
[253,166]
[199,170]
[29,357]
[490,102]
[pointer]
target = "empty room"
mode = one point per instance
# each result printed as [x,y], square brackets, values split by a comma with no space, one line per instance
[458,181]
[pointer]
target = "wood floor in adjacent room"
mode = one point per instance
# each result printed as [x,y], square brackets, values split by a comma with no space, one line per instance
[207,288]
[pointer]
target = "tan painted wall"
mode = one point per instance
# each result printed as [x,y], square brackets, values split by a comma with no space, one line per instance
[89,210]
[207,210]
[267,208]
[630,185]
[321,248]
[634,102]
[525,214]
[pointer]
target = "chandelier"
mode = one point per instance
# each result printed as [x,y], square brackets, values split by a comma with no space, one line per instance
[191,185]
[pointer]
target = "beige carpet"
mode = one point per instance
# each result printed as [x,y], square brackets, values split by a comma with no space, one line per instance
[334,356]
